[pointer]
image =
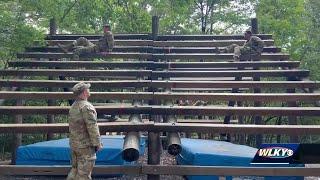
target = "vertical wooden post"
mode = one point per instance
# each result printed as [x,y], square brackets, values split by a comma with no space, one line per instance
[292,119]
[17,138]
[50,118]
[254,26]
[257,119]
[154,143]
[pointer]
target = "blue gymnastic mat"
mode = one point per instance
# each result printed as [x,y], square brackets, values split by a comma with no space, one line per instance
[218,153]
[57,152]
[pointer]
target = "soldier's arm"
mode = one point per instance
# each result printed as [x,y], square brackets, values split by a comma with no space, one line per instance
[260,44]
[110,41]
[90,118]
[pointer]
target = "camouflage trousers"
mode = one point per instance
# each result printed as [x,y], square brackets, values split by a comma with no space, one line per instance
[242,53]
[82,46]
[83,161]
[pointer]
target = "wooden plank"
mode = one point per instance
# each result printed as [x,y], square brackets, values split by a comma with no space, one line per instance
[229,170]
[205,121]
[165,170]
[150,49]
[74,72]
[142,73]
[177,110]
[160,37]
[221,56]
[212,43]
[202,56]
[264,97]
[105,55]
[162,84]
[148,64]
[95,36]
[232,73]
[168,127]
[16,170]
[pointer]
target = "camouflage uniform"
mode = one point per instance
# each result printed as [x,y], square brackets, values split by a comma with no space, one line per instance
[84,136]
[253,47]
[84,46]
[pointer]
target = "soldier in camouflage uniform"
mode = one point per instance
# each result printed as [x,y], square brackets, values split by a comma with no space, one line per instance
[84,46]
[252,48]
[84,134]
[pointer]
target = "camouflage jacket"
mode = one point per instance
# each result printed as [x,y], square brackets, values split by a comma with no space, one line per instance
[106,42]
[83,128]
[253,46]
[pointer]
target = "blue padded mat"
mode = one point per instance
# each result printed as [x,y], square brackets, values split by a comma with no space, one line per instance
[218,153]
[57,152]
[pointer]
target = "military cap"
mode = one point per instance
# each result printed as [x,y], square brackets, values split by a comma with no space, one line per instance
[248,31]
[80,87]
[106,28]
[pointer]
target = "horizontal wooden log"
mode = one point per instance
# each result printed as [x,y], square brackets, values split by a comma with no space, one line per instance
[229,170]
[148,64]
[167,110]
[150,49]
[208,43]
[162,84]
[165,170]
[75,72]
[168,127]
[30,170]
[98,36]
[160,37]
[105,55]
[232,73]
[155,74]
[117,55]
[214,43]
[274,97]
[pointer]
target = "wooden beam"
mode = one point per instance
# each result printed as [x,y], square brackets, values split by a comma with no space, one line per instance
[160,37]
[98,36]
[30,170]
[118,55]
[162,84]
[115,55]
[177,110]
[74,72]
[265,97]
[169,127]
[164,169]
[212,43]
[229,170]
[150,49]
[148,64]
[142,73]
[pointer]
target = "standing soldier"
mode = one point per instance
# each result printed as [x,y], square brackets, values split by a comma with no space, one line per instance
[253,47]
[84,134]
[84,46]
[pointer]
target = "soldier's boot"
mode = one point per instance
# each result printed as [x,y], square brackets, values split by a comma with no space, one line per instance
[65,48]
[217,50]
[72,174]
[110,118]
[236,58]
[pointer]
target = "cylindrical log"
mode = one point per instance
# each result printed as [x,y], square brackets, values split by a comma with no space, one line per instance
[131,145]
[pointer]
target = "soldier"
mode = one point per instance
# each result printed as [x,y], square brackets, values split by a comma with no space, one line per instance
[252,47]
[84,134]
[84,46]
